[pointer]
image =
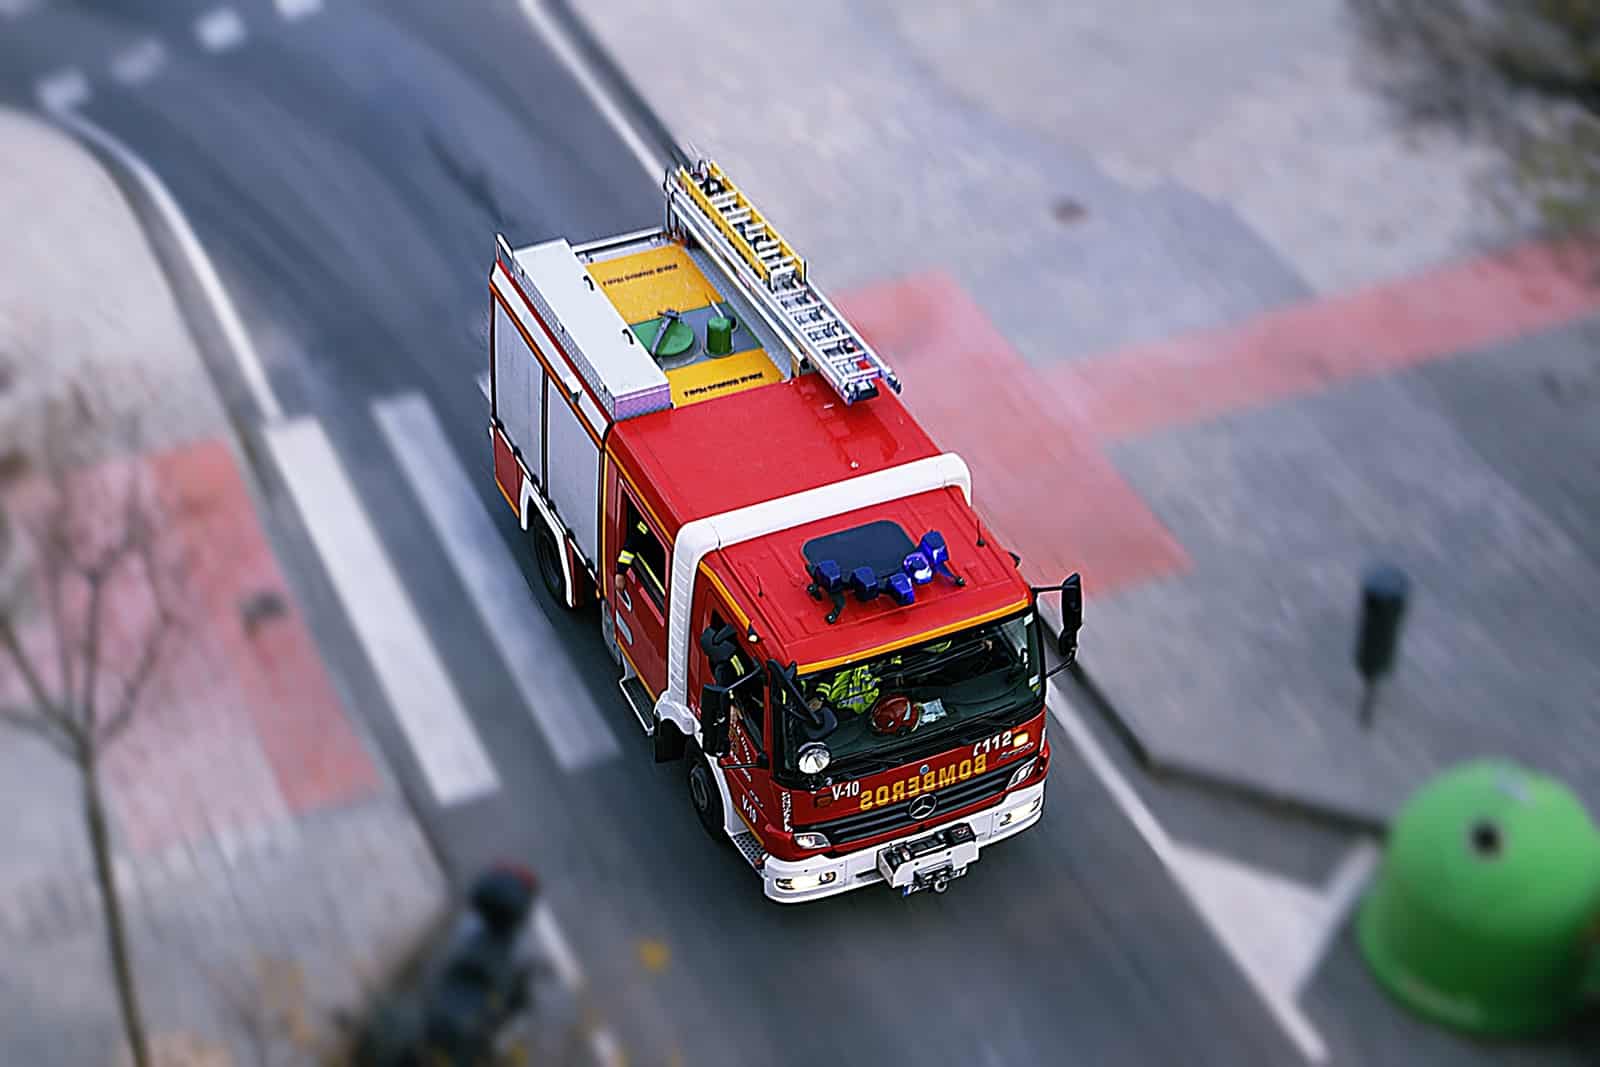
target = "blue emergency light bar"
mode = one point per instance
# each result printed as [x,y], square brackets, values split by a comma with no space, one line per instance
[932,557]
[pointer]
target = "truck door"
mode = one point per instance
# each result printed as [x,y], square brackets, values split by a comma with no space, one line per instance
[639,601]
[747,731]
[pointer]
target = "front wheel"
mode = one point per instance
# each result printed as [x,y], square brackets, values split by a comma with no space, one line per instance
[703,794]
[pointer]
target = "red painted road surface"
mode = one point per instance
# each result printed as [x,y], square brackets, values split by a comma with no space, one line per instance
[1034,438]
[1451,310]
[1039,477]
[241,727]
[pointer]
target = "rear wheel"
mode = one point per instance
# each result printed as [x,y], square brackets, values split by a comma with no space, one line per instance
[703,793]
[545,551]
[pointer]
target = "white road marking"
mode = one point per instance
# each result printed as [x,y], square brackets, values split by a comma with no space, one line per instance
[425,702]
[483,384]
[139,62]
[1267,918]
[219,29]
[555,949]
[603,1043]
[547,28]
[298,9]
[233,331]
[573,725]
[1198,882]
[1345,886]
[62,91]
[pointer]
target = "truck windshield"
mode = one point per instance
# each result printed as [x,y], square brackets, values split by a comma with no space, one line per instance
[894,707]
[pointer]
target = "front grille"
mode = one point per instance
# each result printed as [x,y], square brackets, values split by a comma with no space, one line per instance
[893,817]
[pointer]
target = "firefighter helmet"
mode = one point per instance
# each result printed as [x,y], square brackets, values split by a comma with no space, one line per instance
[894,716]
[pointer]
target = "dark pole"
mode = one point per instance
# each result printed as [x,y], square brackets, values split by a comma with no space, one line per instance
[1384,590]
[1369,700]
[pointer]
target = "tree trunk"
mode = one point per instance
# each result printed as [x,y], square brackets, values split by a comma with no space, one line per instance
[94,816]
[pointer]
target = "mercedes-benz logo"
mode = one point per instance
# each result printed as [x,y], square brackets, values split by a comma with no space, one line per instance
[923,806]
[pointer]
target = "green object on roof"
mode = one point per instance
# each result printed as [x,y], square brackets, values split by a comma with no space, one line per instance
[679,338]
[1484,912]
[719,335]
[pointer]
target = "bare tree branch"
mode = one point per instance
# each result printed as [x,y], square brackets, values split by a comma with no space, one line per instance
[72,557]
[133,689]
[40,726]
[44,706]
[53,565]
[91,651]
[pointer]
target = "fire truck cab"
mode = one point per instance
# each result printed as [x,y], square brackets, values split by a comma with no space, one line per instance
[802,602]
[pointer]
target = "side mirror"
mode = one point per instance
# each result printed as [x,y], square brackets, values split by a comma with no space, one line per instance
[714,708]
[720,644]
[1071,591]
[1071,617]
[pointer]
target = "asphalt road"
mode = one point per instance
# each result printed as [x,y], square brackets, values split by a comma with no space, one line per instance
[347,173]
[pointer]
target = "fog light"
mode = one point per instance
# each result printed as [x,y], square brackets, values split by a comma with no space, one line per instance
[808,840]
[1020,775]
[801,882]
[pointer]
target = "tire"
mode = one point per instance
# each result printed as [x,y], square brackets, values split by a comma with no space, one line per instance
[547,554]
[704,796]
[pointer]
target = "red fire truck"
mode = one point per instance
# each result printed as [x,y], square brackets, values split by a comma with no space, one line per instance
[802,602]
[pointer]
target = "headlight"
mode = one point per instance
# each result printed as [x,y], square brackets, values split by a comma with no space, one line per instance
[810,840]
[1021,773]
[1021,811]
[814,757]
[802,882]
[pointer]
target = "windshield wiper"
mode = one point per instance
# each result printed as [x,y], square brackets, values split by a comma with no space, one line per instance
[867,763]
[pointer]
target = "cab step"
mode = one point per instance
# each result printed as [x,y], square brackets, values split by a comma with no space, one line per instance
[633,691]
[750,849]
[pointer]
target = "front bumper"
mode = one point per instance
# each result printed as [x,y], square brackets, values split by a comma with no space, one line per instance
[794,882]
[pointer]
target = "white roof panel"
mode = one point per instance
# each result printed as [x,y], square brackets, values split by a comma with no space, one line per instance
[615,364]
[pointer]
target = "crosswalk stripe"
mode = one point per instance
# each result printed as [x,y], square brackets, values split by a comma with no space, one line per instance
[62,90]
[573,725]
[220,29]
[425,702]
[298,9]
[140,62]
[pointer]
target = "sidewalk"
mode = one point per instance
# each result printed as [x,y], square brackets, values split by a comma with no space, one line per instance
[254,824]
[1211,330]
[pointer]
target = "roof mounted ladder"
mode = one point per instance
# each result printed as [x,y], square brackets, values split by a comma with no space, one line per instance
[711,208]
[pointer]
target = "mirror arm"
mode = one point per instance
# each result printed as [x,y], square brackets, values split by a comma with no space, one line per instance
[1064,665]
[795,705]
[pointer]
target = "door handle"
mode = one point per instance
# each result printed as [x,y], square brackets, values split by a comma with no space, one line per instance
[622,595]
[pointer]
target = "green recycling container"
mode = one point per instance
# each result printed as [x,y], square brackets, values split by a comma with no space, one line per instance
[1484,913]
[719,335]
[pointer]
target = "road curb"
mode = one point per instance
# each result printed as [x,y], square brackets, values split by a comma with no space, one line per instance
[1163,766]
[1230,787]
[198,318]
[616,81]
[261,474]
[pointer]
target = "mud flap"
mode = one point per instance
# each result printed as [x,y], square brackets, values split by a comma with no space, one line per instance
[668,742]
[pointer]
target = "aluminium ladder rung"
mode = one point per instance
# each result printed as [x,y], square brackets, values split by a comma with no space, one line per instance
[824,338]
